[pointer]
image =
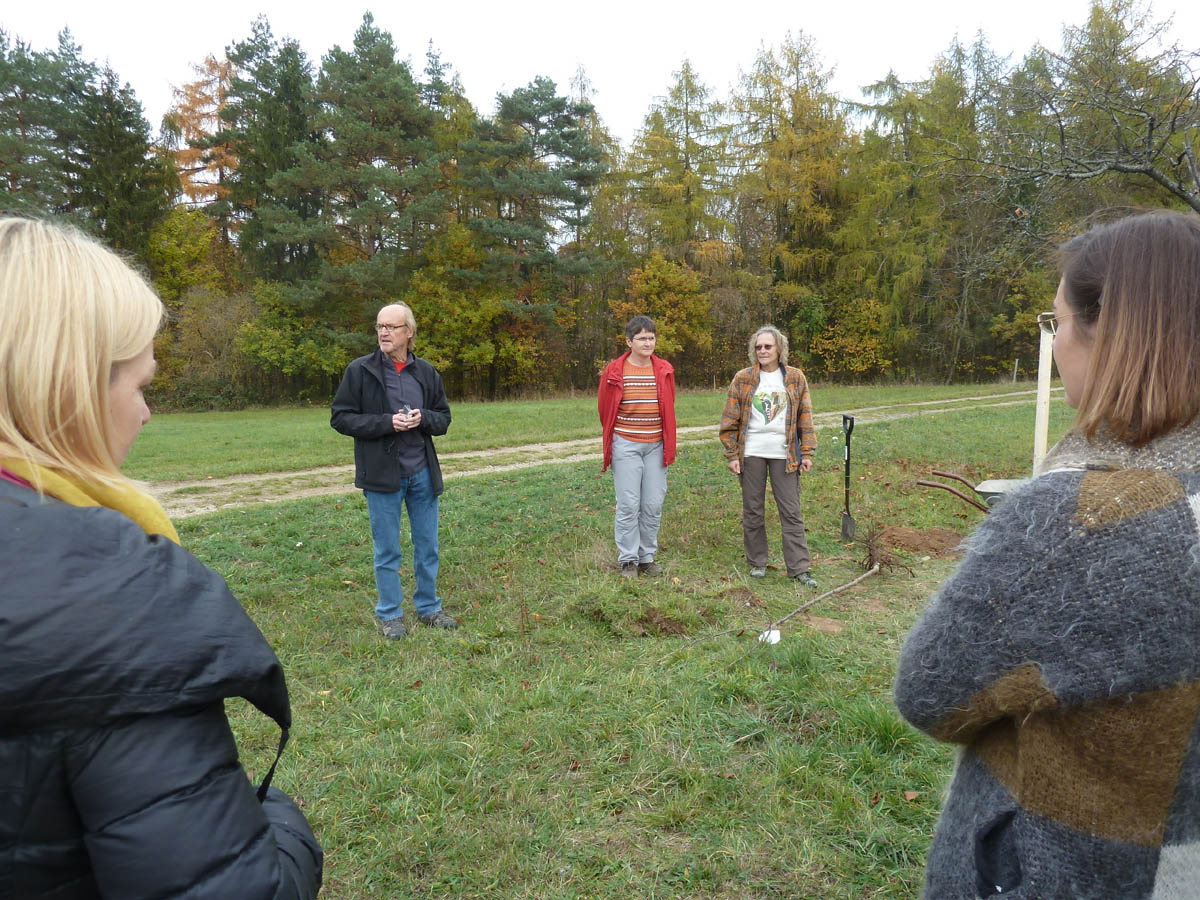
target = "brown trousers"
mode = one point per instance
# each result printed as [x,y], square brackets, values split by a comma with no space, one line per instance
[786,488]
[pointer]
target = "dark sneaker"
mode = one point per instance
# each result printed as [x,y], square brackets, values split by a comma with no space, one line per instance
[393,629]
[805,579]
[438,620]
[629,570]
[650,568]
[758,572]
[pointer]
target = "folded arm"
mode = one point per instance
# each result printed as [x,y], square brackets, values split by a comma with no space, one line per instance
[167,810]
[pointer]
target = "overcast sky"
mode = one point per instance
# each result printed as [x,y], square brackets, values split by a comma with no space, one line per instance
[629,49]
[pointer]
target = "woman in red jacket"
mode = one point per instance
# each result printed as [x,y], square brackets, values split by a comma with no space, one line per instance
[637,414]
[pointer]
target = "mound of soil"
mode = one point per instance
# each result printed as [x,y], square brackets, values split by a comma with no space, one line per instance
[655,622]
[933,542]
[742,597]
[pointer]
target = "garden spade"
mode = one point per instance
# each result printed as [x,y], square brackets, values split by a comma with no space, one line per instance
[847,519]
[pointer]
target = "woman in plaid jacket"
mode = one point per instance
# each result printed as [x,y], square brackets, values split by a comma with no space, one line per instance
[766,429]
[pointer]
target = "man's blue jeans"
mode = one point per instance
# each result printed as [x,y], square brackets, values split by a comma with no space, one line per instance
[416,492]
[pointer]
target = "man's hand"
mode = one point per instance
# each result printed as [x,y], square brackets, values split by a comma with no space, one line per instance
[735,466]
[806,464]
[406,421]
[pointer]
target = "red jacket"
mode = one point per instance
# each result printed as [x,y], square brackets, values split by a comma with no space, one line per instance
[609,400]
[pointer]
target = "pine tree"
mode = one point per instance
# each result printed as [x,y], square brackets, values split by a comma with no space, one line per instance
[267,119]
[121,184]
[790,143]
[678,167]
[41,113]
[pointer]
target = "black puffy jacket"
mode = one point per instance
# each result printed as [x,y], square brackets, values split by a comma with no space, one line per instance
[361,410]
[119,775]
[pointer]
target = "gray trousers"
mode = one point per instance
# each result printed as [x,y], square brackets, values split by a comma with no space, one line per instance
[640,479]
[786,488]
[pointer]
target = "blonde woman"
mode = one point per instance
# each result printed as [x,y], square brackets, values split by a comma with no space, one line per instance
[767,431]
[117,648]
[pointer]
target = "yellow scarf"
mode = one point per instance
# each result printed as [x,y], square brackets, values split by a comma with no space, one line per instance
[128,500]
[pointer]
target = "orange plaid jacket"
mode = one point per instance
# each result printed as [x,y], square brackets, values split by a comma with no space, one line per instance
[801,437]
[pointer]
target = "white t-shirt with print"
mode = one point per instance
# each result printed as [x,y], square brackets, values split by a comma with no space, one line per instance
[766,430]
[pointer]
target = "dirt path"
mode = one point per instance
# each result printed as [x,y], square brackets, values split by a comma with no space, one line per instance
[183,499]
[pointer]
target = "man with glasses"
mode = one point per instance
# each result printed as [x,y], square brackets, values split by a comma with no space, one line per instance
[392,403]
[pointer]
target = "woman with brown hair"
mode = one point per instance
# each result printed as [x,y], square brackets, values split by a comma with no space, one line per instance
[636,402]
[1063,655]
[118,768]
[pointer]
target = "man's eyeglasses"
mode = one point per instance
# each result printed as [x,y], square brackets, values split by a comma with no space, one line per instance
[1048,322]
[389,328]
[764,346]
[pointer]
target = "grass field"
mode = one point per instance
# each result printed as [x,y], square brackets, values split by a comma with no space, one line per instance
[581,736]
[185,446]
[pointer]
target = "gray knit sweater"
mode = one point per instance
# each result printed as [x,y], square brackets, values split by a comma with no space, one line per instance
[1064,656]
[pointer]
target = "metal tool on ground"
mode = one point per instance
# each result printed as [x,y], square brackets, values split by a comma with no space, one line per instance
[991,492]
[847,519]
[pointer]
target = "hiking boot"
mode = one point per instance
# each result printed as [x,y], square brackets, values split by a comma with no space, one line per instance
[629,570]
[805,579]
[393,629]
[649,568]
[438,620]
[758,571]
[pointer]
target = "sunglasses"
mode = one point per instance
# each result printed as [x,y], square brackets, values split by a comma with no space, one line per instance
[764,346]
[1048,322]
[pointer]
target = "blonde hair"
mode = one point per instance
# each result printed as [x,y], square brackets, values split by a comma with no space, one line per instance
[71,313]
[1135,286]
[781,342]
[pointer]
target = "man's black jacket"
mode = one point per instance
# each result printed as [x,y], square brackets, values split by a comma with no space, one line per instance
[361,410]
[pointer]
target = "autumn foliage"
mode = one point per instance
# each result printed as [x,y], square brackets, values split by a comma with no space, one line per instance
[284,200]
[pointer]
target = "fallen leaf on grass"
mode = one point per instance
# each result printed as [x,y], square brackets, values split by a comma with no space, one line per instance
[574,767]
[416,684]
[910,796]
